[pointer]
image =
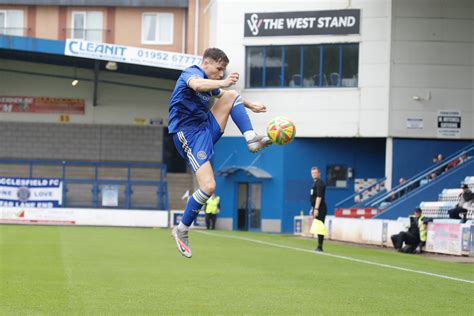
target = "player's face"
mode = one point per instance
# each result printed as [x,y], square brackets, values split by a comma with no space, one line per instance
[214,70]
[315,173]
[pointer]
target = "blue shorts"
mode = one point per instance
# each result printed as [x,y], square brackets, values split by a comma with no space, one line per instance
[196,145]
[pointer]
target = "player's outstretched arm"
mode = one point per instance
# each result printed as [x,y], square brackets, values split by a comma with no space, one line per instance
[205,85]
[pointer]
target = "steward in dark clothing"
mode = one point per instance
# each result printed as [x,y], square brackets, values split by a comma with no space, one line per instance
[411,238]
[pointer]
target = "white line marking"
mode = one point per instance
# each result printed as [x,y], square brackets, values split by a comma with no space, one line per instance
[388,266]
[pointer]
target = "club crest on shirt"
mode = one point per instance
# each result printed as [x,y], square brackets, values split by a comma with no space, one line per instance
[204,97]
[202,155]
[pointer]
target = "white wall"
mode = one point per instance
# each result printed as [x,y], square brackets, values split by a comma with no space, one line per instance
[318,112]
[432,55]
[116,104]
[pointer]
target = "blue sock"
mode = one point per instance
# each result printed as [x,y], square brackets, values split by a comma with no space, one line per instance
[239,115]
[195,202]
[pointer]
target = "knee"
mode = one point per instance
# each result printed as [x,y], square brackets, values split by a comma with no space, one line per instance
[231,95]
[208,186]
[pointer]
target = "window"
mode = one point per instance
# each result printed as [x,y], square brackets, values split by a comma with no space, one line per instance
[157,28]
[350,65]
[302,66]
[336,176]
[87,26]
[311,68]
[254,67]
[273,66]
[330,66]
[11,22]
[292,66]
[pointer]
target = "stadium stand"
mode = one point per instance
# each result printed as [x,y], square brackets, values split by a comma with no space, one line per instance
[446,201]
[402,199]
[140,185]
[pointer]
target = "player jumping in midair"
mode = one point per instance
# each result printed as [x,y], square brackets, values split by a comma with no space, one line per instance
[195,128]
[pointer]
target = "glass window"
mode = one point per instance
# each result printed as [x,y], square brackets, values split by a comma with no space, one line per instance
[331,75]
[11,22]
[87,26]
[3,22]
[149,28]
[273,66]
[350,65]
[165,28]
[78,25]
[336,176]
[293,66]
[311,65]
[328,65]
[256,204]
[254,76]
[94,26]
[157,28]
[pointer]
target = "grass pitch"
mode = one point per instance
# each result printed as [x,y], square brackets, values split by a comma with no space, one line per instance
[98,271]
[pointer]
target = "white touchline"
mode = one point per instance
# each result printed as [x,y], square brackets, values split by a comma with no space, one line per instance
[339,257]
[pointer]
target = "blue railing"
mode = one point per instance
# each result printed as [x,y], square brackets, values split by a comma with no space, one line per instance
[417,180]
[351,198]
[96,182]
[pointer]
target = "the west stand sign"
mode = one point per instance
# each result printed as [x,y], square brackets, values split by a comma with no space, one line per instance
[331,22]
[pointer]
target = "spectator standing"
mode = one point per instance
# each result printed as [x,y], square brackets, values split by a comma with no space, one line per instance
[212,209]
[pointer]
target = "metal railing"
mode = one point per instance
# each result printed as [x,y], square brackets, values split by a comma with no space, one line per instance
[14,31]
[426,175]
[95,181]
[352,198]
[94,35]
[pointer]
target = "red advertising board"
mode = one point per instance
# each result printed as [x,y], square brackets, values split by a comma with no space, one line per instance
[356,212]
[18,104]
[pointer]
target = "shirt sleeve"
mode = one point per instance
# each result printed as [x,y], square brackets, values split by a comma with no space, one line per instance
[216,92]
[189,74]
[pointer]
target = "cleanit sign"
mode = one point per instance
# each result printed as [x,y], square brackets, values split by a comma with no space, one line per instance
[331,22]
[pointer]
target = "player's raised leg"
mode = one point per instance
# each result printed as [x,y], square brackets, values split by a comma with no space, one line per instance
[231,103]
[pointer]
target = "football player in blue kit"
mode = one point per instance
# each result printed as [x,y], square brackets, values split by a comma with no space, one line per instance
[195,128]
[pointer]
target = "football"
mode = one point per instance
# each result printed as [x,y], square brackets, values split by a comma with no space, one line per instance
[281,130]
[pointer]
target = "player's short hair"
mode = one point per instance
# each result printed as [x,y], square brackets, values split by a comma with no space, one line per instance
[315,168]
[216,54]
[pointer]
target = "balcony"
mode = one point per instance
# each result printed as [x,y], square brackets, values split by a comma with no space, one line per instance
[93,35]
[15,31]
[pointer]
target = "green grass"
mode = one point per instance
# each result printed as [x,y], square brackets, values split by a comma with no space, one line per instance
[97,271]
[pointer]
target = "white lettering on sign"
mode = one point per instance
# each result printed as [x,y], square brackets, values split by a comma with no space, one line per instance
[336,21]
[42,194]
[300,23]
[273,24]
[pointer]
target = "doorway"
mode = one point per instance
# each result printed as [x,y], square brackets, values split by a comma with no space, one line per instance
[249,204]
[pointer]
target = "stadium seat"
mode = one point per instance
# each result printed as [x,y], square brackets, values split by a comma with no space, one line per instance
[447,200]
[450,195]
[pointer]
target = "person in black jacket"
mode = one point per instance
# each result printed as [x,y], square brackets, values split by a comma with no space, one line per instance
[411,238]
[465,201]
[318,202]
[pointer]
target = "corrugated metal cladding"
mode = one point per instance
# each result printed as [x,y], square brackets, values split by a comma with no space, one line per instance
[103,3]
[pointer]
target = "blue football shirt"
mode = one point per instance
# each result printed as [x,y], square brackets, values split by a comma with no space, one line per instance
[189,108]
